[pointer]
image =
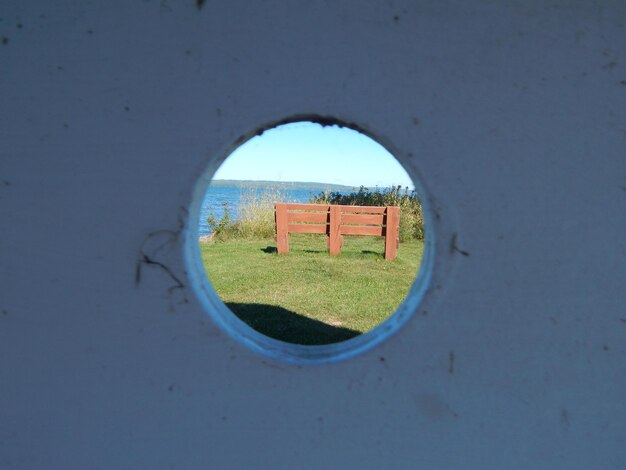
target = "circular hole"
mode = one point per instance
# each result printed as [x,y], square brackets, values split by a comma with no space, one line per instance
[312,241]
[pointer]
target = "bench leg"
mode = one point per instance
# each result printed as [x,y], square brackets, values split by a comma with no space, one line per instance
[334,239]
[392,224]
[282,235]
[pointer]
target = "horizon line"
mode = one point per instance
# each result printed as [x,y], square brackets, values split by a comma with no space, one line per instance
[314,182]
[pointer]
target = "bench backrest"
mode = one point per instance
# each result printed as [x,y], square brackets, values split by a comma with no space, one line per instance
[335,221]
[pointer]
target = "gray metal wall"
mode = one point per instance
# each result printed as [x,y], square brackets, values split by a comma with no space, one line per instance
[513,116]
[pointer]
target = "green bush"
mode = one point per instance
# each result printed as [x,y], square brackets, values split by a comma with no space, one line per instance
[221,226]
[256,217]
[411,216]
[256,211]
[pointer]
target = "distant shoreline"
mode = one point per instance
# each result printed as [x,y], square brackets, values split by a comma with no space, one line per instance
[306,186]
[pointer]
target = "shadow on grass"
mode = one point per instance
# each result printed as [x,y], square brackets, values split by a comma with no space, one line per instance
[272,249]
[377,253]
[285,325]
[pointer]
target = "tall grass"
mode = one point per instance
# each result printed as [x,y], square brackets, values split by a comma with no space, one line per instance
[256,216]
[256,211]
[411,215]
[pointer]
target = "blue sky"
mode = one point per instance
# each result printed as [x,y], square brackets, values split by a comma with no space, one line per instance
[304,151]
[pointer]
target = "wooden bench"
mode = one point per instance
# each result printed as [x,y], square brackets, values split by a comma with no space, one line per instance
[336,221]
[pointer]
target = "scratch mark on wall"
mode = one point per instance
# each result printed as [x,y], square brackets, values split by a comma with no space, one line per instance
[146,260]
[565,419]
[451,360]
[454,247]
[435,208]
[434,407]
[272,365]
[155,249]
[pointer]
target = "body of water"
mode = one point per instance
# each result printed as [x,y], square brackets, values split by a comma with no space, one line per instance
[217,196]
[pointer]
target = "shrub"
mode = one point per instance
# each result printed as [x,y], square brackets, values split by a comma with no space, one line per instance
[411,217]
[256,211]
[220,227]
[256,216]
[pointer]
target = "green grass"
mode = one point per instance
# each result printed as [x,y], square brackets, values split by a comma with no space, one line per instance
[307,296]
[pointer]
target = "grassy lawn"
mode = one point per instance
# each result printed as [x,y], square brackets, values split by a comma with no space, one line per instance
[307,296]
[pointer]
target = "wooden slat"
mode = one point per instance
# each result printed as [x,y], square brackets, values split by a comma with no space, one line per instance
[320,217]
[307,207]
[362,219]
[336,221]
[365,209]
[391,232]
[334,239]
[361,230]
[306,228]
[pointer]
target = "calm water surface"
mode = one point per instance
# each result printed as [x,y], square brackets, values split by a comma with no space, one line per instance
[216,197]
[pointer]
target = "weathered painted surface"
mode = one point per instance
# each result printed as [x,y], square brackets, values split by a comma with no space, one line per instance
[511,114]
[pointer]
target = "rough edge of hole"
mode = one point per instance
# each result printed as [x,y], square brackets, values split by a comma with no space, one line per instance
[290,352]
